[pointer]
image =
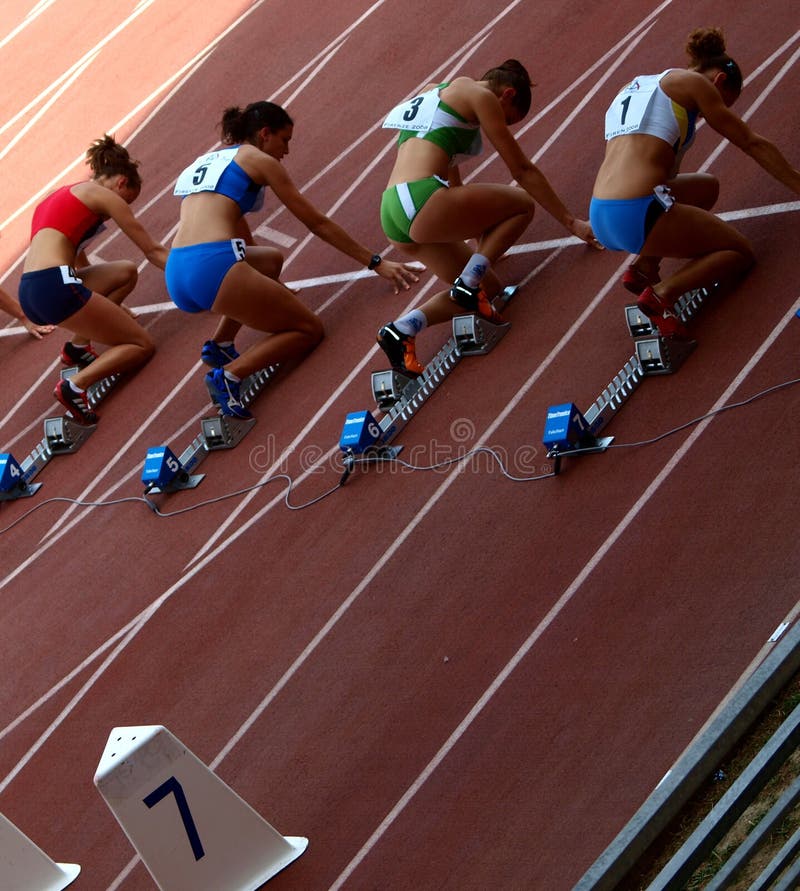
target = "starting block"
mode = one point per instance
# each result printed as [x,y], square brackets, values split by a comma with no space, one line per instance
[26,867]
[163,472]
[568,432]
[192,831]
[400,397]
[62,436]
[686,307]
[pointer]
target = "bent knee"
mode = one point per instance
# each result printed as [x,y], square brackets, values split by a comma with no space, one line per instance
[314,331]
[146,346]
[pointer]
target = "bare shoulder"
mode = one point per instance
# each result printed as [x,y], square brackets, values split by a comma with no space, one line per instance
[688,88]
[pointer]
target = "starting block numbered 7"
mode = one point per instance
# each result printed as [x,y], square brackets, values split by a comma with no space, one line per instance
[400,397]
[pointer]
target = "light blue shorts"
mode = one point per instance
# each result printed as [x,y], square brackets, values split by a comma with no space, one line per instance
[623,224]
[194,273]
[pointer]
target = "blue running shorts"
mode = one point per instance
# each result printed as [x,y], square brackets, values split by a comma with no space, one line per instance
[194,274]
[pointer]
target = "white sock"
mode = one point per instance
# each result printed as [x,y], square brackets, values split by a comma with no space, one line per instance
[231,376]
[412,323]
[76,388]
[475,270]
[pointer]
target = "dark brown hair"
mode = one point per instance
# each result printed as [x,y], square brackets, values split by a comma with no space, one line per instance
[106,157]
[239,125]
[705,48]
[512,74]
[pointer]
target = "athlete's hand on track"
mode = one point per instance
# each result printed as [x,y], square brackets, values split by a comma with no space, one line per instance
[583,230]
[401,274]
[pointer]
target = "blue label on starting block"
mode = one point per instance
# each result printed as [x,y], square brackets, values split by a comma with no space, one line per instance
[160,466]
[565,426]
[10,472]
[360,431]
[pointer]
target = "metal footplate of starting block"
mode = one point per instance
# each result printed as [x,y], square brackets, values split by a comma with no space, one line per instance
[165,472]
[686,307]
[62,436]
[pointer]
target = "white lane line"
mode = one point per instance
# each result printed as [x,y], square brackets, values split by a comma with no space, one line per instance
[557,608]
[31,17]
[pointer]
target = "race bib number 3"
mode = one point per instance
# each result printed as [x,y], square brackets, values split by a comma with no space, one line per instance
[203,175]
[413,114]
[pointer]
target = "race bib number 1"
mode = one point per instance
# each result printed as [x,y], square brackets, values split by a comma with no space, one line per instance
[413,114]
[628,108]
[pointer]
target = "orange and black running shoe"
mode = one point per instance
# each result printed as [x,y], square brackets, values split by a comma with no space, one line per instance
[474,300]
[400,350]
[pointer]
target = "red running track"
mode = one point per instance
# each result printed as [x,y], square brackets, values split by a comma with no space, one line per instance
[444,679]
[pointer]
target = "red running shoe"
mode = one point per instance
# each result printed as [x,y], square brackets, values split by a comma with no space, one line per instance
[76,404]
[663,316]
[77,355]
[635,281]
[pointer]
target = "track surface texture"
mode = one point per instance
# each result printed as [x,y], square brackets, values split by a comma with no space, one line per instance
[442,678]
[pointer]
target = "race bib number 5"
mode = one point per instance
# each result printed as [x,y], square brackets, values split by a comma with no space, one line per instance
[203,175]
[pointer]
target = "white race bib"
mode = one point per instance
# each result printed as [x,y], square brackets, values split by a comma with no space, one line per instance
[413,114]
[626,112]
[204,174]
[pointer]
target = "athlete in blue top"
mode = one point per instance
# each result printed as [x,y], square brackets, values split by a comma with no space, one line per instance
[214,264]
[428,213]
[641,204]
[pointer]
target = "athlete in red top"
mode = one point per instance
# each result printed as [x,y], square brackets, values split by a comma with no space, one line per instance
[59,287]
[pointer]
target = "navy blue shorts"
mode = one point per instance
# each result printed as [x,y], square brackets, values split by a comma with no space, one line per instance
[195,273]
[49,296]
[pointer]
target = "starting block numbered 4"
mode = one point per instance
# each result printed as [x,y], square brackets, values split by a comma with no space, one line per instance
[192,831]
[62,436]
[400,397]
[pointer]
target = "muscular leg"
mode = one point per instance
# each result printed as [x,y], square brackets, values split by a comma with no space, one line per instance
[268,261]
[494,214]
[130,346]
[261,303]
[694,189]
[718,252]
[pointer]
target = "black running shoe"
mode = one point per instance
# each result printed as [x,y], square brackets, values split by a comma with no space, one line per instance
[474,300]
[400,350]
[76,404]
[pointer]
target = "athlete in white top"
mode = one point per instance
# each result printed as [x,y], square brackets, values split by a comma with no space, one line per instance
[641,204]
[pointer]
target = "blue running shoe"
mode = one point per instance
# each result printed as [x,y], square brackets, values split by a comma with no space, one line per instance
[225,393]
[216,356]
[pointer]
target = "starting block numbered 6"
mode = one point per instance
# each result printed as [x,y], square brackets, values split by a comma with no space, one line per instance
[192,831]
[400,397]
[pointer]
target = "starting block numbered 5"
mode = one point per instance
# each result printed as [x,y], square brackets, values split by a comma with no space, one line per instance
[164,472]
[192,831]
